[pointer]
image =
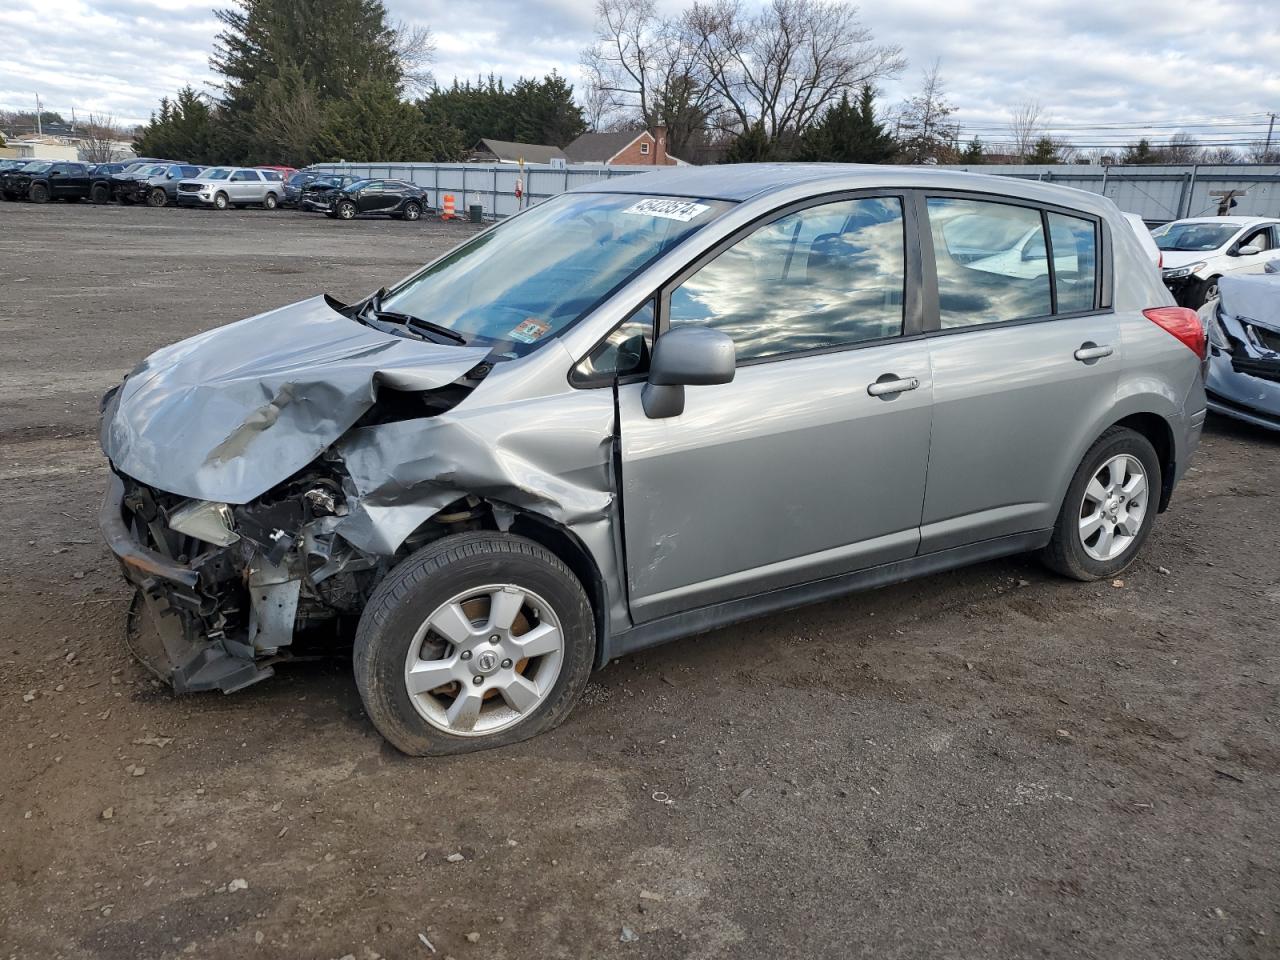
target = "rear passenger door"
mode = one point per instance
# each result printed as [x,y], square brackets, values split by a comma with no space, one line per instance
[811,462]
[1025,352]
[246,186]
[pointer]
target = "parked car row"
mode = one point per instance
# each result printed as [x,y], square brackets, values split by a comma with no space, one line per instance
[160,183]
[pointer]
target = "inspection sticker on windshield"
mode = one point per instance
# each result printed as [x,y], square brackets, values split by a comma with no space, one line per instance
[530,331]
[682,210]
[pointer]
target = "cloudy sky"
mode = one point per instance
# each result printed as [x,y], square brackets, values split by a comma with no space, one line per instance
[1097,66]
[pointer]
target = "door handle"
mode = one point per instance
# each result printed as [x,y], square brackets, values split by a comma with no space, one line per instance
[1089,352]
[890,385]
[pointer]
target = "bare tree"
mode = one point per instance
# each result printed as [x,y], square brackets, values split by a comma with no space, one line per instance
[415,48]
[1182,148]
[1259,152]
[644,70]
[925,129]
[1026,127]
[779,68]
[101,139]
[1220,155]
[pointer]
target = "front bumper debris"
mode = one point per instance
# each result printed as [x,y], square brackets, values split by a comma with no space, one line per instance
[168,622]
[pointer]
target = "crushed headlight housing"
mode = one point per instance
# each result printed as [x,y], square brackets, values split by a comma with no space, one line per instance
[205,520]
[1175,273]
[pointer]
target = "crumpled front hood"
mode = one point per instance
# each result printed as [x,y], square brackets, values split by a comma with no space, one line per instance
[1252,297]
[228,414]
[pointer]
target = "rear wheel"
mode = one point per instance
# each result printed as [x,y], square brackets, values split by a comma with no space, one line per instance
[221,201]
[270,201]
[39,193]
[1109,508]
[100,193]
[346,210]
[477,640]
[157,197]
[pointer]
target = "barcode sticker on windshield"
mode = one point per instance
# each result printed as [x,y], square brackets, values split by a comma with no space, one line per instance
[682,210]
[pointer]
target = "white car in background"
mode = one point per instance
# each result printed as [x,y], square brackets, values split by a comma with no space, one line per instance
[1200,250]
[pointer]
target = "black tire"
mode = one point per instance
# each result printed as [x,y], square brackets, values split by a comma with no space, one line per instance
[346,210]
[221,201]
[427,579]
[157,197]
[100,193]
[1206,291]
[1065,553]
[412,211]
[39,193]
[270,202]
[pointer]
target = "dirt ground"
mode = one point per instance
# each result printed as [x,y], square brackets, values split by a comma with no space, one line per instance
[993,763]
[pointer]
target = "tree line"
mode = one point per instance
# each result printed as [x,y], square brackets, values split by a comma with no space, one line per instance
[302,81]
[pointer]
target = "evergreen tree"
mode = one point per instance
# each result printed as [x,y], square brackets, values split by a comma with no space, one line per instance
[531,111]
[323,50]
[974,153]
[1140,152]
[373,125]
[182,130]
[848,133]
[750,146]
[1044,151]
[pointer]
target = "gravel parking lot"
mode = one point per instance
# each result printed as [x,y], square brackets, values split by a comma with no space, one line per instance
[989,763]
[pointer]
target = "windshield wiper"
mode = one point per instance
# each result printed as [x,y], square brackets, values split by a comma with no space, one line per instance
[374,306]
[417,323]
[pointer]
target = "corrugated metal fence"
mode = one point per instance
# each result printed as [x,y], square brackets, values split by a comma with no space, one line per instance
[490,185]
[1156,193]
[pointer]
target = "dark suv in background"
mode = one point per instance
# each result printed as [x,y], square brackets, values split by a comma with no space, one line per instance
[393,198]
[317,194]
[49,180]
[157,185]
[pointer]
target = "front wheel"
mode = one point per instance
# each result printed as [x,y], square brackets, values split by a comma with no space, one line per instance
[346,210]
[412,211]
[1109,508]
[221,201]
[39,193]
[157,197]
[477,640]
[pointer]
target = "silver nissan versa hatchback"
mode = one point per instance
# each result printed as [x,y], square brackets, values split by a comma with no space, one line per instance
[641,410]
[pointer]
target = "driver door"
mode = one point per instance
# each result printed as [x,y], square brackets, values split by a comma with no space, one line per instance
[811,462]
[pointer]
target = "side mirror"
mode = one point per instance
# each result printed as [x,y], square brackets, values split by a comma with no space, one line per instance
[686,356]
[1248,251]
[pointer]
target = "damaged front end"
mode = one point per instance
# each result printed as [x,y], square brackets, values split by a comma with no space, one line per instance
[267,475]
[225,591]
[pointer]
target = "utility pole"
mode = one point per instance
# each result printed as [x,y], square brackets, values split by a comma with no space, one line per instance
[39,127]
[1266,151]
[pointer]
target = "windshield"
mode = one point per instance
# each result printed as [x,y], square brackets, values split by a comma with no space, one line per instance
[38,167]
[1194,236]
[218,173]
[533,277]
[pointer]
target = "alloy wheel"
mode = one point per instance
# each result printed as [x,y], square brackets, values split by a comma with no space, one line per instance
[1114,505]
[484,660]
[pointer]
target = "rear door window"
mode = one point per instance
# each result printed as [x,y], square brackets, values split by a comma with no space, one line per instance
[991,262]
[1075,262]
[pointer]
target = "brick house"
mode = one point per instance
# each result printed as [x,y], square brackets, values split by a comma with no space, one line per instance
[622,147]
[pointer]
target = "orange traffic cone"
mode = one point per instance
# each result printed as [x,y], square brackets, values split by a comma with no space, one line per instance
[447,213]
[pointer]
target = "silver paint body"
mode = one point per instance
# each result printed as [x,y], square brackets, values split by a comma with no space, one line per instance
[789,474]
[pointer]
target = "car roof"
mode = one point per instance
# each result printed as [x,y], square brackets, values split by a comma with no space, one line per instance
[1236,221]
[745,181]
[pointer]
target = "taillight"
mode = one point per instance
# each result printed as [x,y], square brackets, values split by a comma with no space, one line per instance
[1183,323]
[1160,262]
